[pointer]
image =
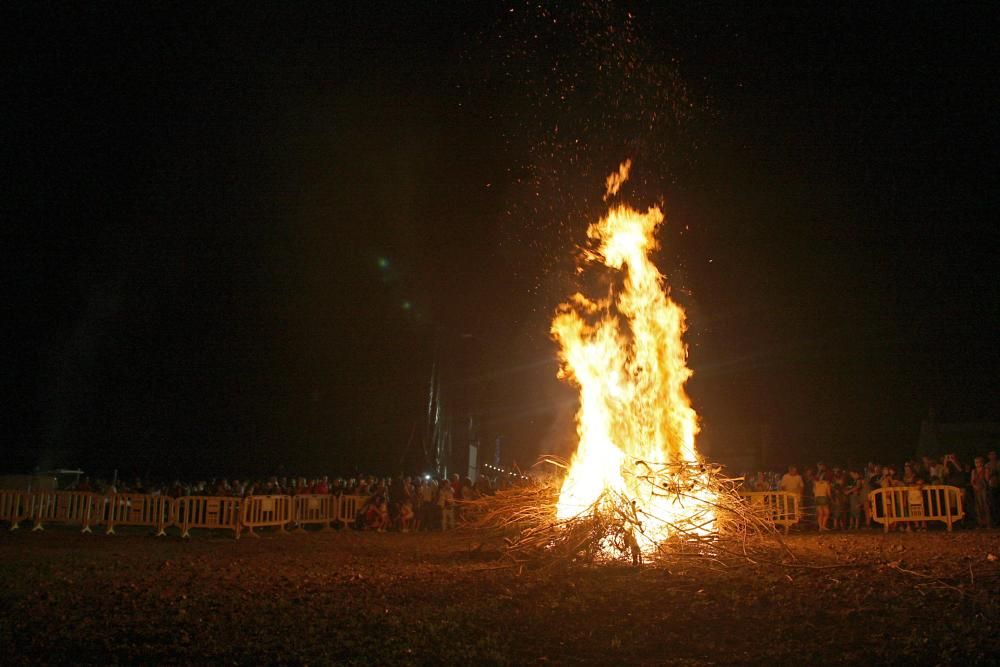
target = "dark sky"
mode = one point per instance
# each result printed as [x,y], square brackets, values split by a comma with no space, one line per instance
[237,236]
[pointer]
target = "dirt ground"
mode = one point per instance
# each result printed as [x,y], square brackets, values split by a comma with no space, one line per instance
[343,597]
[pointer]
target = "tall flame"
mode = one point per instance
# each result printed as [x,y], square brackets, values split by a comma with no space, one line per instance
[628,359]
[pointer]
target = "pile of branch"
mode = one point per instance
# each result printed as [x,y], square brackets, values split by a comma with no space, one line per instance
[717,523]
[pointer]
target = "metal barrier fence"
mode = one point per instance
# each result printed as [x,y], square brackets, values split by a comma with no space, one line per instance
[314,510]
[266,511]
[349,507]
[898,504]
[133,509]
[11,509]
[779,507]
[186,513]
[65,507]
[914,504]
[210,512]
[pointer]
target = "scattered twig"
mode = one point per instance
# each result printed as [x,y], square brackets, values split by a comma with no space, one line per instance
[896,566]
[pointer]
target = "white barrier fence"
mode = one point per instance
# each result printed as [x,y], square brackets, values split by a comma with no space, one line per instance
[11,509]
[64,507]
[889,506]
[917,504]
[348,509]
[158,513]
[314,510]
[209,512]
[133,509]
[779,507]
[266,511]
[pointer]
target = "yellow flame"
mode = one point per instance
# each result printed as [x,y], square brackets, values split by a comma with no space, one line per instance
[613,183]
[629,361]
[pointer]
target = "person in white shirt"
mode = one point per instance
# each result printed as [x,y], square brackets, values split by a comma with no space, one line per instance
[446,503]
[791,482]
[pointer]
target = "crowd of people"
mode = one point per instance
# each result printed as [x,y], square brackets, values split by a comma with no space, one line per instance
[832,498]
[838,498]
[401,503]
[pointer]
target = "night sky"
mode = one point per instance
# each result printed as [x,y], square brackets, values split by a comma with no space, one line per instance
[237,237]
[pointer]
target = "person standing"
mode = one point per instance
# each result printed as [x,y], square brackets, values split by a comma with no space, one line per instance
[791,482]
[993,469]
[980,480]
[866,502]
[893,503]
[838,500]
[821,496]
[446,504]
[856,496]
[955,476]
[807,491]
[428,504]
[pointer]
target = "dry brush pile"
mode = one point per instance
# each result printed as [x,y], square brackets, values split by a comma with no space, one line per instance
[714,526]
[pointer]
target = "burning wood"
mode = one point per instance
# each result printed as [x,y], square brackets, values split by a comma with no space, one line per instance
[636,484]
[716,522]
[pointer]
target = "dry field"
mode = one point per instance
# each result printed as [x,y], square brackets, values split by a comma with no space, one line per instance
[373,599]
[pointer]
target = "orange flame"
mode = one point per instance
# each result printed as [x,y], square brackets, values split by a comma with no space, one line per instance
[629,361]
[616,179]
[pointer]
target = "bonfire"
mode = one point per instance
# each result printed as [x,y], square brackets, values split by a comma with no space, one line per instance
[636,487]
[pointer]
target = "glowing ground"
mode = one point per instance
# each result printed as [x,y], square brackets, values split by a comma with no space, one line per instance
[415,599]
